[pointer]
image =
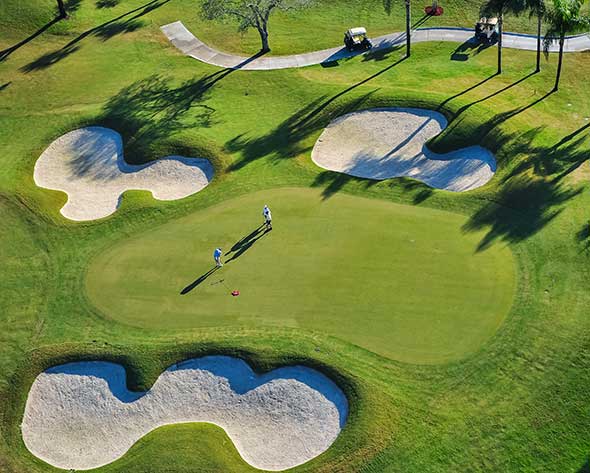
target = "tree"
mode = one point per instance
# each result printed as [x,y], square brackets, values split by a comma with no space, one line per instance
[250,13]
[62,9]
[563,18]
[537,8]
[408,31]
[499,8]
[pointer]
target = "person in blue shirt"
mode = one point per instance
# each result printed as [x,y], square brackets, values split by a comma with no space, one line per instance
[217,257]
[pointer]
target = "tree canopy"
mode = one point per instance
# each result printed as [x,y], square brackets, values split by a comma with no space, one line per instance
[250,13]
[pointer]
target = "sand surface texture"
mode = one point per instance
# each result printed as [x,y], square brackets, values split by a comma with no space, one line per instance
[385,143]
[88,165]
[81,415]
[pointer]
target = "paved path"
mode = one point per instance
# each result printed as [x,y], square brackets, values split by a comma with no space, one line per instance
[184,40]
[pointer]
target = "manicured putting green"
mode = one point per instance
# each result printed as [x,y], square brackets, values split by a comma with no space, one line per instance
[405,282]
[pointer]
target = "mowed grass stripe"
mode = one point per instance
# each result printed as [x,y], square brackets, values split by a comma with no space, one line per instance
[405,282]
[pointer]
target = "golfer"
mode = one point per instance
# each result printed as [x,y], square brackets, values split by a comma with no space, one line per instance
[217,257]
[267,217]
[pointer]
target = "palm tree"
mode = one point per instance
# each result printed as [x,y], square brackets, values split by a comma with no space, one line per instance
[408,32]
[563,18]
[537,7]
[499,8]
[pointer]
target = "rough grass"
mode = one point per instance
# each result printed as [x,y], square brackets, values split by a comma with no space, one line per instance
[518,405]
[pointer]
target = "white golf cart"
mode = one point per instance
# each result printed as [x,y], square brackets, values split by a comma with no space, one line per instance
[356,39]
[487,30]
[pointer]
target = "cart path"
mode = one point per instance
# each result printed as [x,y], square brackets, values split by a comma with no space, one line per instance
[191,46]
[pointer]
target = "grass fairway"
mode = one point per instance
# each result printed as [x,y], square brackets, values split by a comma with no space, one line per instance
[403,282]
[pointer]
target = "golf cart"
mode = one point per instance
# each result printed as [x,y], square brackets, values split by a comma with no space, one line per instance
[486,30]
[356,38]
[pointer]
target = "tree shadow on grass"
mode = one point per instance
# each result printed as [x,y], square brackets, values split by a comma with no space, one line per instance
[536,200]
[381,54]
[497,92]
[463,92]
[585,467]
[286,140]
[455,136]
[106,3]
[72,6]
[532,192]
[583,237]
[147,114]
[152,109]
[332,182]
[4,86]
[121,24]
[468,48]
[4,54]
[420,191]
[556,161]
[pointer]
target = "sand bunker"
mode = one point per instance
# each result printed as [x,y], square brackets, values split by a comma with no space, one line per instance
[385,143]
[81,415]
[88,165]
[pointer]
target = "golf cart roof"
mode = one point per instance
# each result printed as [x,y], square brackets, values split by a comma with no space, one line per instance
[359,31]
[488,21]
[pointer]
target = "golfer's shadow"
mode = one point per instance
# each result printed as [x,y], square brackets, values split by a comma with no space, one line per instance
[239,248]
[200,280]
[247,242]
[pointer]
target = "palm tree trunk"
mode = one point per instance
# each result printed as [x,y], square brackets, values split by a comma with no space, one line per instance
[559,62]
[62,9]
[539,26]
[408,29]
[500,28]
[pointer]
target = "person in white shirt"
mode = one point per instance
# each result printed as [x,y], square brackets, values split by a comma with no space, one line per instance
[267,217]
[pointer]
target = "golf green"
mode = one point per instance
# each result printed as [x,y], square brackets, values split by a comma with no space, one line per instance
[405,282]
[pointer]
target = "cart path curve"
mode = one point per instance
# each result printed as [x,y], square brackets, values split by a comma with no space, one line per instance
[191,46]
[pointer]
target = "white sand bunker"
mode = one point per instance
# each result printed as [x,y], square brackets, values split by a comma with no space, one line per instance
[390,142]
[81,415]
[88,165]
